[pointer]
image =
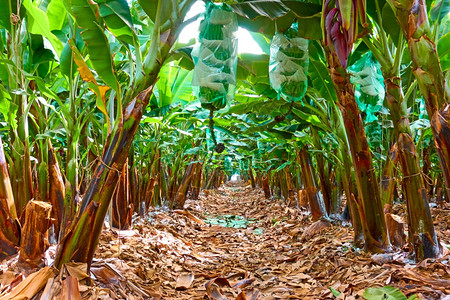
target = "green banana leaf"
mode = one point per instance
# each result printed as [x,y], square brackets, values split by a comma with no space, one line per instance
[85,14]
[56,14]
[117,17]
[443,48]
[38,24]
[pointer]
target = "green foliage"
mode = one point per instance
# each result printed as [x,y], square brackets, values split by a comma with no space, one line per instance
[269,16]
[265,8]
[93,35]
[443,48]
[173,86]
[38,23]
[117,17]
[229,221]
[334,292]
[440,10]
[386,292]
[390,25]
[56,14]
[149,7]
[125,45]
[8,7]
[369,92]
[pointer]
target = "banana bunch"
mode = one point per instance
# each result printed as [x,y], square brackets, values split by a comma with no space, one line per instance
[215,58]
[293,51]
[288,66]
[211,31]
[211,98]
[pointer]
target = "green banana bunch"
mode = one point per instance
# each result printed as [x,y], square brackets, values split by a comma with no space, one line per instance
[293,52]
[288,72]
[211,98]
[212,32]
[215,75]
[222,54]
[293,90]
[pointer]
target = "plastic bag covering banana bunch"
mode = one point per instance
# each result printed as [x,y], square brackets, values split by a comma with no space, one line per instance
[288,65]
[369,86]
[215,58]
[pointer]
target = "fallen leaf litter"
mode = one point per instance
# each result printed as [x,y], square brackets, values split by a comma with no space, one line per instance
[233,243]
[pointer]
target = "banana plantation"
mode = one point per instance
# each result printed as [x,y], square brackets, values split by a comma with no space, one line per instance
[234,149]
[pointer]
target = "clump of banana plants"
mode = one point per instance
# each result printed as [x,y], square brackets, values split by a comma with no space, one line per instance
[340,20]
[288,66]
[216,57]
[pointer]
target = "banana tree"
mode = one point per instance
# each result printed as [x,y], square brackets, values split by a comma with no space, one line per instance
[15,77]
[23,27]
[10,228]
[159,126]
[412,17]
[340,21]
[421,230]
[81,239]
[340,24]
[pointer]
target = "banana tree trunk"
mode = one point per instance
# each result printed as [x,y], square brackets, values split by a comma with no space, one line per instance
[315,200]
[284,184]
[42,172]
[349,185]
[81,239]
[325,183]
[266,187]
[21,176]
[180,197]
[132,179]
[155,174]
[56,190]
[420,224]
[257,179]
[122,209]
[211,180]
[250,173]
[348,176]
[412,17]
[9,225]
[134,189]
[426,170]
[34,241]
[197,182]
[158,188]
[40,151]
[149,192]
[289,182]
[173,174]
[72,168]
[366,179]
[388,182]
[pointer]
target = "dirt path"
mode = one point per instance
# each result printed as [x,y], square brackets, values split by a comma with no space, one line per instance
[173,255]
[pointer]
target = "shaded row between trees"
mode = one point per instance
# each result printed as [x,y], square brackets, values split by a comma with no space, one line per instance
[99,118]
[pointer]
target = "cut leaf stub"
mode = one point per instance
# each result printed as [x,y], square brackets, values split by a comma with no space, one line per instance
[288,66]
[215,58]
